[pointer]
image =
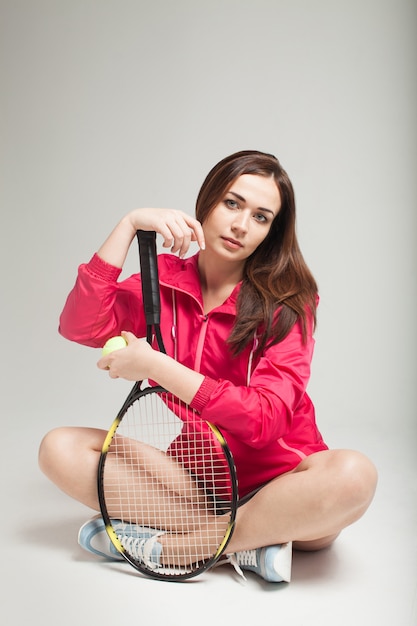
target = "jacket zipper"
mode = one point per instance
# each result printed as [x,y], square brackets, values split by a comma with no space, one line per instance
[203,329]
[200,343]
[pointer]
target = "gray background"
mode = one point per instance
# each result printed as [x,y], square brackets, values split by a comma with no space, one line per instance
[108,105]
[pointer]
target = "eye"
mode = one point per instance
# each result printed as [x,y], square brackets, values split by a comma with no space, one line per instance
[260,217]
[231,204]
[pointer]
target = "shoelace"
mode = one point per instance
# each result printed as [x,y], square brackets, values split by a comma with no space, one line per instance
[141,549]
[247,558]
[233,560]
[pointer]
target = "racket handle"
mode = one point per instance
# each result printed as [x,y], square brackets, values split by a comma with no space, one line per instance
[150,278]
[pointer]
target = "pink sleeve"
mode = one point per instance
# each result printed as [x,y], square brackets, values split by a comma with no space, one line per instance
[98,307]
[263,411]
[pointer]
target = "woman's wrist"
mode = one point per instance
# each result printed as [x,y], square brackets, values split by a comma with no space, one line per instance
[129,225]
[114,250]
[180,380]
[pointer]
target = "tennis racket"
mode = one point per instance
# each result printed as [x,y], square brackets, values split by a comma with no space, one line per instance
[167,482]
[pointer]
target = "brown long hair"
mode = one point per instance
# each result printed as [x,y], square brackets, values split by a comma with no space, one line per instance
[277,288]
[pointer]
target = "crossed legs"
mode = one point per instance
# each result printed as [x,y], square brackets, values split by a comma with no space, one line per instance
[309,506]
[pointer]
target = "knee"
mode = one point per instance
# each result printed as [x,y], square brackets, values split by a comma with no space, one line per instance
[64,449]
[358,479]
[52,449]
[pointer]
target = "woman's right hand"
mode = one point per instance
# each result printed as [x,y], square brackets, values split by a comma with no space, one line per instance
[178,229]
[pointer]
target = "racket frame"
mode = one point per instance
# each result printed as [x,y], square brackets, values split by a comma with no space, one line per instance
[151,299]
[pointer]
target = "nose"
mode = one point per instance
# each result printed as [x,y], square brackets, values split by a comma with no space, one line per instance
[240,222]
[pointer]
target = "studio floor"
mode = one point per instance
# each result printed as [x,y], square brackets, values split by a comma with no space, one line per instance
[368,577]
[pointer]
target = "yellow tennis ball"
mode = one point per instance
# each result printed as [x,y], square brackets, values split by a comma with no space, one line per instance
[114,343]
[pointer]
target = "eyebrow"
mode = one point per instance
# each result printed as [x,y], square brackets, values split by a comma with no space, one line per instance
[242,199]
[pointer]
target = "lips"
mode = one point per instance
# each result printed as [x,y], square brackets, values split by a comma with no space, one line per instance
[233,243]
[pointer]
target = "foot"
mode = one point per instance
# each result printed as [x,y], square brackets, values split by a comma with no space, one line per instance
[138,541]
[273,563]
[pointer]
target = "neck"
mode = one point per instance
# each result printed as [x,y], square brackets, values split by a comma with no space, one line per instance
[218,279]
[214,273]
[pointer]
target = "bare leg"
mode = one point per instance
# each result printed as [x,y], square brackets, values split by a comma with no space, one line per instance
[328,491]
[69,457]
[145,486]
[309,506]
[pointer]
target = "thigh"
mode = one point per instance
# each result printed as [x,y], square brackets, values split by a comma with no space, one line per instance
[150,488]
[340,468]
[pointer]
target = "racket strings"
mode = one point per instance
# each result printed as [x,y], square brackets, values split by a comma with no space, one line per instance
[166,473]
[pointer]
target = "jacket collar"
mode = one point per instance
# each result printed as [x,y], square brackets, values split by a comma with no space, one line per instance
[183,275]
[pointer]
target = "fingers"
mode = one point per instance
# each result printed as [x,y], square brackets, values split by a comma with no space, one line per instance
[104,362]
[108,363]
[179,230]
[128,336]
[130,363]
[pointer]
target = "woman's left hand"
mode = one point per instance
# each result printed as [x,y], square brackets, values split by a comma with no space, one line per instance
[131,363]
[139,361]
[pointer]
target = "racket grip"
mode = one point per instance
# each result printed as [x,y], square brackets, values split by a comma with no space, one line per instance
[150,278]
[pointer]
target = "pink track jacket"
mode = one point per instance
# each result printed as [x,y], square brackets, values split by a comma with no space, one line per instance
[260,404]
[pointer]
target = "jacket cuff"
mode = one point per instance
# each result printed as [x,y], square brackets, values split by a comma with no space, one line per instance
[102,269]
[203,394]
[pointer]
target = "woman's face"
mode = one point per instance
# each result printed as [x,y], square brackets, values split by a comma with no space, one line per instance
[243,217]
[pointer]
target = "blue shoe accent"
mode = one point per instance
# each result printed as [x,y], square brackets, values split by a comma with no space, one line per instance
[273,563]
[93,537]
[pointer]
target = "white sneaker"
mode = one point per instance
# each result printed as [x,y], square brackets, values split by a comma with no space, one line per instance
[272,563]
[93,537]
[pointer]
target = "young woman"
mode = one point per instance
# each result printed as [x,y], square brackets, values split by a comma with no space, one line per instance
[245,311]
